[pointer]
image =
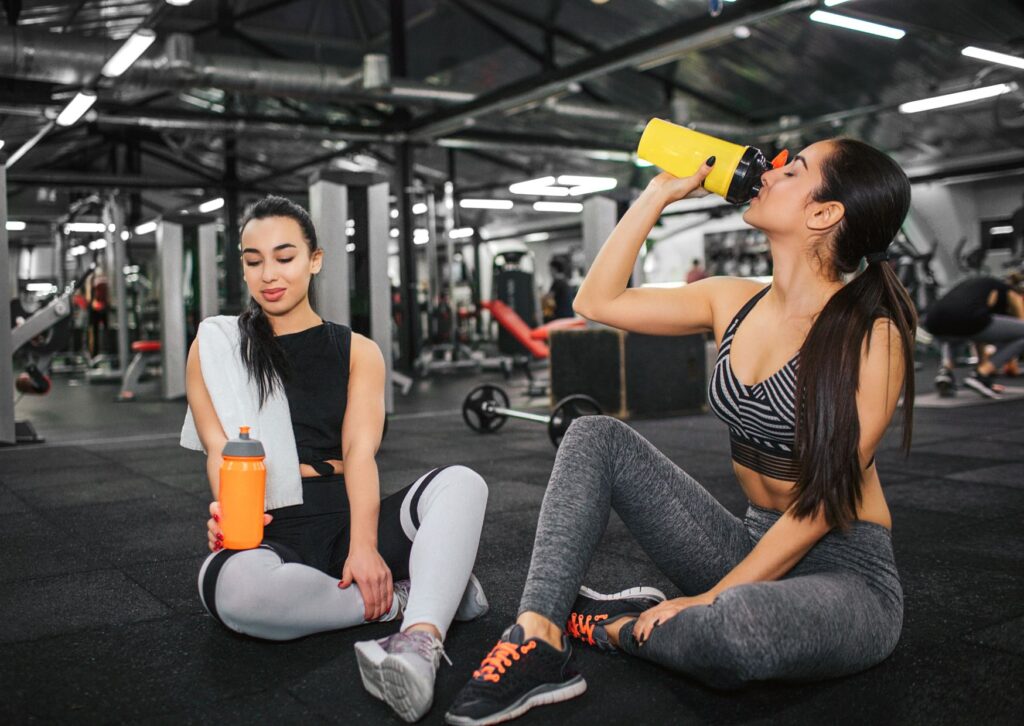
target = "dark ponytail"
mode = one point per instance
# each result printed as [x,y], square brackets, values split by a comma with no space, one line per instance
[876,195]
[263,357]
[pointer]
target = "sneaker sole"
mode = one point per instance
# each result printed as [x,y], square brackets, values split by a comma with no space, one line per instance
[982,389]
[390,680]
[474,602]
[640,593]
[540,696]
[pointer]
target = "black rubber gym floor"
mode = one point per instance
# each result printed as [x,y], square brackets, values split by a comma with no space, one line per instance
[103,532]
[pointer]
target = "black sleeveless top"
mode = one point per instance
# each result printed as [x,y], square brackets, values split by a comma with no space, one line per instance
[317,390]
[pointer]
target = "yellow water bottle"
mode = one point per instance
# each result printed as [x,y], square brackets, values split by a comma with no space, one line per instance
[680,151]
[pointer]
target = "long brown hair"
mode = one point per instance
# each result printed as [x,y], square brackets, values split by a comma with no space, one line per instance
[876,195]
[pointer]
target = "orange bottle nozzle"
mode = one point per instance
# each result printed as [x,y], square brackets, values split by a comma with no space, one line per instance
[243,431]
[780,159]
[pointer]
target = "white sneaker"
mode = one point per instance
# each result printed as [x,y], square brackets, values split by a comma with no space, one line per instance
[400,670]
[474,603]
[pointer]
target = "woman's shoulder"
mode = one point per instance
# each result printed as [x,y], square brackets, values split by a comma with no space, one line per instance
[728,295]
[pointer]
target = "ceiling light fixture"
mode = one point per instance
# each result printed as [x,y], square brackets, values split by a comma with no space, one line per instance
[461,233]
[486,203]
[567,185]
[991,56]
[132,49]
[76,108]
[146,227]
[98,244]
[419,208]
[541,187]
[558,207]
[13,226]
[212,205]
[954,99]
[863,26]
[536,237]
[84,227]
[78,250]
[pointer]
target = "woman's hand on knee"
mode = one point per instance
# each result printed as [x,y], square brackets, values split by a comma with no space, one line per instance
[368,570]
[214,534]
[652,618]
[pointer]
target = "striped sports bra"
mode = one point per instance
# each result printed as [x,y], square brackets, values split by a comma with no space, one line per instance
[761,418]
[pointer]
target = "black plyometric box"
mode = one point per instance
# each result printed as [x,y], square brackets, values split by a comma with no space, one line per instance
[630,374]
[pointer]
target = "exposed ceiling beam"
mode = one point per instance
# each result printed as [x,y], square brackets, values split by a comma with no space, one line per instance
[676,38]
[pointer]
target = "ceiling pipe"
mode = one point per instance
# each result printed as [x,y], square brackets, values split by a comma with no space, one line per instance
[75,60]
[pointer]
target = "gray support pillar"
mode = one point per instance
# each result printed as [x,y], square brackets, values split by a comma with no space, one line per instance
[378,238]
[433,271]
[207,248]
[328,207]
[7,433]
[600,215]
[170,254]
[449,225]
[116,251]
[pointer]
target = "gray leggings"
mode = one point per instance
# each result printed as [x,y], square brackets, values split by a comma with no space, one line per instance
[838,611]
[1004,331]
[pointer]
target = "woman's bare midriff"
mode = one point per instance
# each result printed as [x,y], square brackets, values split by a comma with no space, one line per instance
[764,491]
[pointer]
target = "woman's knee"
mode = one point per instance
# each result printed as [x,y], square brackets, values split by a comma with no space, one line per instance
[465,482]
[240,588]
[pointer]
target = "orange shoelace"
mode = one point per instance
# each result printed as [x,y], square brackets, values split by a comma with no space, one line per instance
[500,658]
[582,627]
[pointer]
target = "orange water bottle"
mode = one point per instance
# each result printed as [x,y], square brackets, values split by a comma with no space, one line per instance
[243,482]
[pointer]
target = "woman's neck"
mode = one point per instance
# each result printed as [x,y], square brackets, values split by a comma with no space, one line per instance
[299,318]
[799,287]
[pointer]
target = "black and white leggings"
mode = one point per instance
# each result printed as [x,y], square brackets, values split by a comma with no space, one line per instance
[288,587]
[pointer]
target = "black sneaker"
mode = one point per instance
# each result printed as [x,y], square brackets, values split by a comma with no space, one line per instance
[593,611]
[513,678]
[985,385]
[945,383]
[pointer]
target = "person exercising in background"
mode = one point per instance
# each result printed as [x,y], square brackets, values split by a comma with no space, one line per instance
[558,300]
[983,310]
[696,272]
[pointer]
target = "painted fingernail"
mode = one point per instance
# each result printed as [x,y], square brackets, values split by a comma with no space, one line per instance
[216,518]
[220,536]
[710,161]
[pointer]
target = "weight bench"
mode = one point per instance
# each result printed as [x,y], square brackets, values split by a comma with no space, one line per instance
[533,339]
[145,351]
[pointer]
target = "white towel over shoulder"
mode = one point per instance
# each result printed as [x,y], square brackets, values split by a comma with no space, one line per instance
[236,401]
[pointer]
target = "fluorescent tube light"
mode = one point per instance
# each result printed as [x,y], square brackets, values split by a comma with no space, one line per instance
[953,99]
[211,206]
[558,206]
[990,55]
[136,44]
[179,3]
[146,228]
[394,232]
[98,244]
[863,26]
[420,236]
[1007,229]
[419,208]
[485,203]
[76,108]
[40,287]
[833,3]
[84,227]
[13,226]
[541,187]
[587,184]
[78,250]
[461,232]
[536,236]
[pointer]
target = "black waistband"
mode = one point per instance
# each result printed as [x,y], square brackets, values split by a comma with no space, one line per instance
[775,465]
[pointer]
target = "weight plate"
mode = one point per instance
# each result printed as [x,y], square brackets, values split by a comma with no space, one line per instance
[568,410]
[473,412]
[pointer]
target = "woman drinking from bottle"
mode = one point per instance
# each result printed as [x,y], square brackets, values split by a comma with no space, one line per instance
[808,376]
